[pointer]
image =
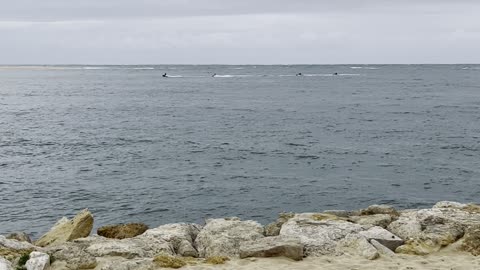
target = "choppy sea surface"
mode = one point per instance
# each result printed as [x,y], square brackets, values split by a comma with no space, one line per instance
[252,141]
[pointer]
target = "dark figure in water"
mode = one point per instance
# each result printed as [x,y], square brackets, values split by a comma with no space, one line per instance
[299,74]
[335,73]
[214,74]
[165,75]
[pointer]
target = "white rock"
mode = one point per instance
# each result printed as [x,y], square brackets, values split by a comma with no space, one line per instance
[356,244]
[38,261]
[180,235]
[5,264]
[222,237]
[383,236]
[318,237]
[407,226]
[275,246]
[130,247]
[14,244]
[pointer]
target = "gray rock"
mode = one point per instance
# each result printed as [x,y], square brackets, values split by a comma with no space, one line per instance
[180,235]
[275,246]
[356,244]
[382,250]
[384,237]
[382,220]
[19,236]
[38,261]
[318,237]
[5,264]
[130,247]
[73,255]
[407,226]
[222,237]
[14,244]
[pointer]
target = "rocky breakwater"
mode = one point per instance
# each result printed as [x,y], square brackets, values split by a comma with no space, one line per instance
[370,233]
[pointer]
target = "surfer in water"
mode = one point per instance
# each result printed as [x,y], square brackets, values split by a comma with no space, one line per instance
[335,73]
[214,74]
[164,75]
[299,74]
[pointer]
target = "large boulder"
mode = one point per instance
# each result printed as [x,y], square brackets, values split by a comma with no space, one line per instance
[11,249]
[275,246]
[73,255]
[122,231]
[471,241]
[67,230]
[180,235]
[320,237]
[38,261]
[383,236]
[429,230]
[19,236]
[356,244]
[5,264]
[129,248]
[223,237]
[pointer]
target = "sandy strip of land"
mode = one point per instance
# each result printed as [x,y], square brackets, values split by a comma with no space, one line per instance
[443,260]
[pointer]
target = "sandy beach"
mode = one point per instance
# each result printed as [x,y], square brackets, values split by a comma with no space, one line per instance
[440,261]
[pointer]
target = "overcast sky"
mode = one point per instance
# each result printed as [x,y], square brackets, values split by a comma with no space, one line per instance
[239,32]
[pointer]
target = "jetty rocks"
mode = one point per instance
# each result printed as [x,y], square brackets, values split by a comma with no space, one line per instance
[376,231]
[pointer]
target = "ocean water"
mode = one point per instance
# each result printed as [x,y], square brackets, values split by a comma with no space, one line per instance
[254,141]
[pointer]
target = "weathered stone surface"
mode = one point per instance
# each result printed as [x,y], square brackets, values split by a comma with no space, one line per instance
[19,236]
[14,244]
[180,235]
[5,264]
[471,241]
[273,229]
[429,230]
[382,220]
[67,230]
[383,236]
[38,261]
[222,237]
[74,256]
[12,249]
[407,226]
[356,244]
[318,237]
[379,209]
[122,231]
[129,248]
[382,250]
[275,246]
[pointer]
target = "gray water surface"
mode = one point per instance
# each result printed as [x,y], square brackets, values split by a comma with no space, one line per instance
[254,141]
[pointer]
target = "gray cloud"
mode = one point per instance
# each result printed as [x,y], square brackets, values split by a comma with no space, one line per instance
[220,31]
